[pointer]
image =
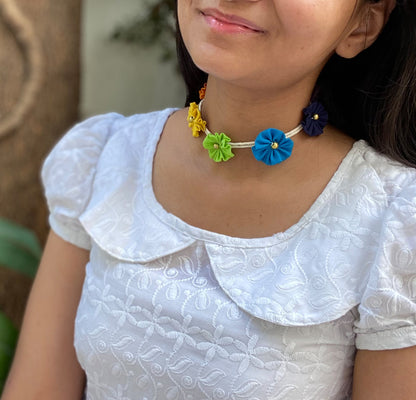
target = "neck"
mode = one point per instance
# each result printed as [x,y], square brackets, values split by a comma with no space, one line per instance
[242,113]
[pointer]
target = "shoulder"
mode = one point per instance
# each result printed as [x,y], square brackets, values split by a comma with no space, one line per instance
[87,139]
[96,146]
[99,129]
[387,305]
[395,179]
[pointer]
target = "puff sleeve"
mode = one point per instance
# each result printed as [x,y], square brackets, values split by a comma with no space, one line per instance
[387,312]
[68,174]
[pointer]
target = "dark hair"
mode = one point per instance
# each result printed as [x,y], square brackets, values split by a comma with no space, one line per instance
[371,96]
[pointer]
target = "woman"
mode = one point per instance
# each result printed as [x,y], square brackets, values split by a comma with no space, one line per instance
[225,259]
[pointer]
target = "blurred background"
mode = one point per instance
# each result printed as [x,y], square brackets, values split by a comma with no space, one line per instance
[61,62]
[134,72]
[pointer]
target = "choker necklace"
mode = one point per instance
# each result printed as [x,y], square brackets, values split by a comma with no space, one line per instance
[272,146]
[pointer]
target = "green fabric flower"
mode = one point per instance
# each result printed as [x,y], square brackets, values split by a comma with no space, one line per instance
[218,147]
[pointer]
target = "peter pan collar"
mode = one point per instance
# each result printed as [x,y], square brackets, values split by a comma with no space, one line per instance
[312,273]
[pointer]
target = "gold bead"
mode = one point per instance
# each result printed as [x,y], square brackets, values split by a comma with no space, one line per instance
[216,146]
[316,117]
[274,145]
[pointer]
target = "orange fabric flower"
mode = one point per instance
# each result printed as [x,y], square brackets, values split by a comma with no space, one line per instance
[202,92]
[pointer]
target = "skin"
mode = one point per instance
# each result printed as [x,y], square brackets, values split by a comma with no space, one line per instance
[285,45]
[45,366]
[249,75]
[243,88]
[385,375]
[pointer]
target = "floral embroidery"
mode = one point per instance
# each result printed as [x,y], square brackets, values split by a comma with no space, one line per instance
[195,121]
[307,284]
[218,146]
[272,147]
[215,344]
[316,118]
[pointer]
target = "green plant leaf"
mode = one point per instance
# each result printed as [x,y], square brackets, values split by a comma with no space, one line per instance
[19,248]
[8,339]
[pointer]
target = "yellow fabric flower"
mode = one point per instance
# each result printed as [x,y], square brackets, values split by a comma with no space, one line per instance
[198,127]
[195,121]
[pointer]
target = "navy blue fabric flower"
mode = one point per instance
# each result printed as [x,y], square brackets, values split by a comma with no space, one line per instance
[315,119]
[272,147]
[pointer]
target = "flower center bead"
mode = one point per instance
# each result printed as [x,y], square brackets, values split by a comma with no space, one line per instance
[316,117]
[216,146]
[274,145]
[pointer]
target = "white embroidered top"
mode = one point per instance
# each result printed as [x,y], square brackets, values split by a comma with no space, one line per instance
[170,311]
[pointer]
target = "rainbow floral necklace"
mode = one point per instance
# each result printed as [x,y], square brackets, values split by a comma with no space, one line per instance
[271,146]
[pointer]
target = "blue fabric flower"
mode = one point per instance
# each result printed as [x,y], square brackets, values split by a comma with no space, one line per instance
[315,119]
[272,147]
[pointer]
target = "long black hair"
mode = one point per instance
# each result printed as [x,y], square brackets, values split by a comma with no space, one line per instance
[371,96]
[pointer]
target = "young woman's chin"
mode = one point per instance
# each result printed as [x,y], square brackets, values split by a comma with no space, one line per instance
[244,73]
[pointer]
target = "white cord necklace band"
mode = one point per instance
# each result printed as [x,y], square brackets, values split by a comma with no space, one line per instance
[248,145]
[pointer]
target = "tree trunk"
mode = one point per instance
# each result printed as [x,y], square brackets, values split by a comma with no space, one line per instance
[39,97]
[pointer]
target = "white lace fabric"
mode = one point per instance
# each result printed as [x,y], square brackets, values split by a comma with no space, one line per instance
[171,311]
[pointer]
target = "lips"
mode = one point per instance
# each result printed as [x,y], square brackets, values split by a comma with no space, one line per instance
[230,21]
